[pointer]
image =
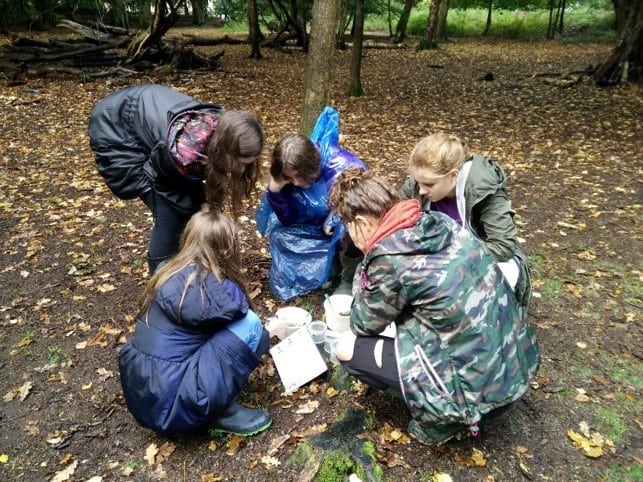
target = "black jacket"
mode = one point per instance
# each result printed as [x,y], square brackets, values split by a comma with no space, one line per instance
[128,130]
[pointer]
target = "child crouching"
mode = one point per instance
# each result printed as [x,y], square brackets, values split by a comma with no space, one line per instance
[196,340]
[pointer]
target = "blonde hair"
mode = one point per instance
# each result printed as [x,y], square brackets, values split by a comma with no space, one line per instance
[359,192]
[439,152]
[238,135]
[209,241]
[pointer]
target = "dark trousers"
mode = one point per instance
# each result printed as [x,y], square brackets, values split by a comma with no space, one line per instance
[166,231]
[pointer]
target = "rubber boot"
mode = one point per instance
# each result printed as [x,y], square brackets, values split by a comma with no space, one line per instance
[154,263]
[240,420]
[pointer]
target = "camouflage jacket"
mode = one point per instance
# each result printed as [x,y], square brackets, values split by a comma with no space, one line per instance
[462,347]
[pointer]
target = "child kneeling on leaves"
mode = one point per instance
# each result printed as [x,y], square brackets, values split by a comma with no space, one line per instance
[196,340]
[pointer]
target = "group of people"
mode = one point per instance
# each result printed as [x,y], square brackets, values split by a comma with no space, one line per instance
[439,258]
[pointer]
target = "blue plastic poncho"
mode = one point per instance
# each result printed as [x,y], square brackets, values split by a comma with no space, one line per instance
[302,254]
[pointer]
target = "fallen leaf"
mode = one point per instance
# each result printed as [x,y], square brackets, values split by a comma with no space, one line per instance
[276,443]
[150,453]
[442,477]
[269,461]
[308,407]
[234,444]
[66,473]
[311,431]
[25,390]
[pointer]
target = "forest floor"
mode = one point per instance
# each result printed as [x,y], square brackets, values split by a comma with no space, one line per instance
[73,265]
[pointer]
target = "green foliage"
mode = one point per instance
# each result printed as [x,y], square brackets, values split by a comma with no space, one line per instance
[303,455]
[336,467]
[590,24]
[619,473]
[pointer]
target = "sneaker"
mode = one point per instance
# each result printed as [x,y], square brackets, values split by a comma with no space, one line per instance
[240,420]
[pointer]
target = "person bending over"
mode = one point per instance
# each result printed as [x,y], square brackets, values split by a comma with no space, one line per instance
[446,177]
[174,153]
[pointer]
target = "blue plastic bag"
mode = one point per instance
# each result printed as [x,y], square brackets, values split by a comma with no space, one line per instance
[302,254]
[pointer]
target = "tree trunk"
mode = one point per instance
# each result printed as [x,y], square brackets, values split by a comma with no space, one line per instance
[355,88]
[318,76]
[254,33]
[400,29]
[199,12]
[430,38]
[162,21]
[343,19]
[625,62]
[488,24]
[442,20]
[562,16]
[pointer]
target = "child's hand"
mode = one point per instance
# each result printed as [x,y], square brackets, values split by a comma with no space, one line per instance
[277,184]
[332,220]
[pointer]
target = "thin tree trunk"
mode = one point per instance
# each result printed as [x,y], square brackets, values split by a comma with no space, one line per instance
[562,16]
[430,38]
[254,33]
[355,88]
[442,20]
[488,24]
[400,29]
[318,75]
[162,21]
[199,12]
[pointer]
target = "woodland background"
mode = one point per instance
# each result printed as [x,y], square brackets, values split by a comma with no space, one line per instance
[73,257]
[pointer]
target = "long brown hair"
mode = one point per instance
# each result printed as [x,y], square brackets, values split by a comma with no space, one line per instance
[359,192]
[296,152]
[238,135]
[210,242]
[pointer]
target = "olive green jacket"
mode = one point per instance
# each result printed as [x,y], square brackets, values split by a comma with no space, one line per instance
[486,211]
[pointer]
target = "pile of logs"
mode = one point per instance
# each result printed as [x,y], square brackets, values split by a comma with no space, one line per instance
[98,47]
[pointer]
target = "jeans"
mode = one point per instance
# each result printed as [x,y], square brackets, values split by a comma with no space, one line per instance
[249,329]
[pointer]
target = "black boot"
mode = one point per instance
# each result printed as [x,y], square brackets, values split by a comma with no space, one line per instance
[240,420]
[154,263]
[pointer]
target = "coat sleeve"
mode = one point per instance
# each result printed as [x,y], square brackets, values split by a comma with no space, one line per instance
[496,227]
[282,207]
[381,298]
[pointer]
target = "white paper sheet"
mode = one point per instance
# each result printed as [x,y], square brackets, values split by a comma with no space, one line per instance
[297,360]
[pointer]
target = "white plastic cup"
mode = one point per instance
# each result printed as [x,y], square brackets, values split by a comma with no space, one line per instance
[337,309]
[293,319]
[330,344]
[317,330]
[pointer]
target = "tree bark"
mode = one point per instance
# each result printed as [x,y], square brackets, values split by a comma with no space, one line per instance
[255,35]
[400,29]
[318,76]
[487,26]
[625,61]
[355,88]
[442,20]
[161,22]
[199,12]
[430,37]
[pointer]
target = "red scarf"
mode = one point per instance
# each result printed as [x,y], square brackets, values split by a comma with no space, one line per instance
[403,215]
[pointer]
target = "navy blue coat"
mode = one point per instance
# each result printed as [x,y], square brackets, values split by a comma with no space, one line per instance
[178,374]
